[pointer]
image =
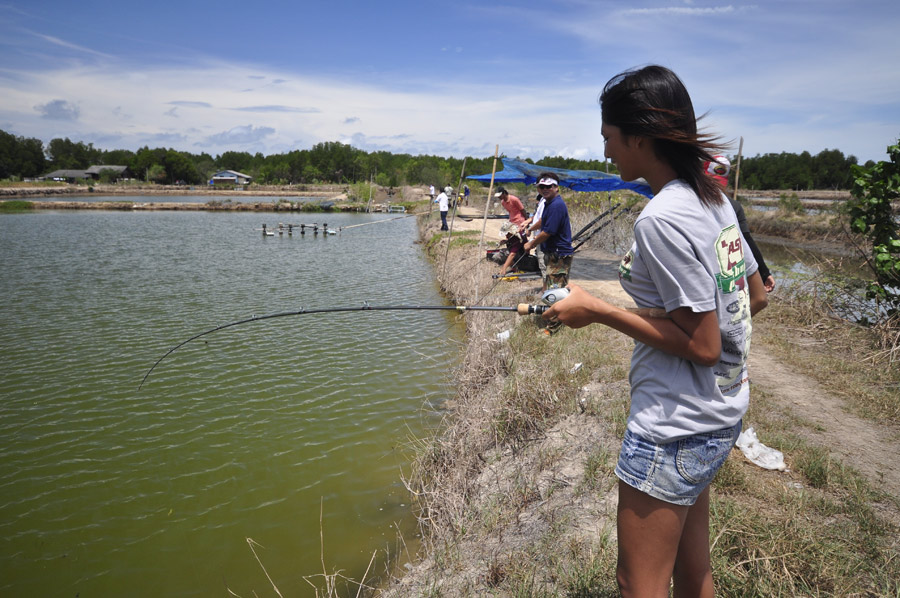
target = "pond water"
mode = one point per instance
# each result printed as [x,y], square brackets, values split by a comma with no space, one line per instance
[248,433]
[838,278]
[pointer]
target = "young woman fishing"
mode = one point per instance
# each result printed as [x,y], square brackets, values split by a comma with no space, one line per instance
[689,385]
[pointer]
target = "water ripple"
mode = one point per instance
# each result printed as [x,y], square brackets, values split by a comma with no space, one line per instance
[240,433]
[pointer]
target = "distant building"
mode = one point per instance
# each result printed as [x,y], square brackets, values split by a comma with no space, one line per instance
[121,172]
[69,176]
[230,177]
[81,176]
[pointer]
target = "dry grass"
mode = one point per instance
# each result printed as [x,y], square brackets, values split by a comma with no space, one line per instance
[797,226]
[852,360]
[515,490]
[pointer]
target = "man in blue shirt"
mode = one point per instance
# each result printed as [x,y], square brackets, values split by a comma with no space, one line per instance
[555,237]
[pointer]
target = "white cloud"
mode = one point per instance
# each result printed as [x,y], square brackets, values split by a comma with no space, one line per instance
[666,11]
[186,104]
[58,110]
[276,108]
[775,89]
[240,136]
[70,46]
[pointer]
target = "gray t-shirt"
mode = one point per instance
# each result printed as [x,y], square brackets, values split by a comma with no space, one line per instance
[689,255]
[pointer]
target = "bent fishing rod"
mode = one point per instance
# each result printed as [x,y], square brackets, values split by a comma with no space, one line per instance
[522,309]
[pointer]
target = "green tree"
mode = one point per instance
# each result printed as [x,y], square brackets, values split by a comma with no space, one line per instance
[310,174]
[180,168]
[108,175]
[205,166]
[117,157]
[146,159]
[872,214]
[239,161]
[157,173]
[21,157]
[67,154]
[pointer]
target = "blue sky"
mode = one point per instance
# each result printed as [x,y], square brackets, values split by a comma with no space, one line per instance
[451,78]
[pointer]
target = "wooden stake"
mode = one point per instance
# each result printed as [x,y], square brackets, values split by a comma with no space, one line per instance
[487,206]
[737,170]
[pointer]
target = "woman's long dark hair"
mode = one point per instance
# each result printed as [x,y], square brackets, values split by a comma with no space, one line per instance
[652,102]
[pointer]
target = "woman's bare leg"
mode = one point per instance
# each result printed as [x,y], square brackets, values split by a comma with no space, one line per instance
[649,535]
[693,574]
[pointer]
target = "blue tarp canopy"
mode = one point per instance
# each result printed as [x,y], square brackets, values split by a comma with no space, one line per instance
[516,171]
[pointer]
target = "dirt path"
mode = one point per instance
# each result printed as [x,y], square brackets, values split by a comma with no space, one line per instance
[864,445]
[869,448]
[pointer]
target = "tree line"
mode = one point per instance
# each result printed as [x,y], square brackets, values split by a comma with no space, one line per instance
[334,162]
[829,169]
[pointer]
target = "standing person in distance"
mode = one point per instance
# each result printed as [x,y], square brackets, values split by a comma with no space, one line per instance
[689,384]
[719,168]
[533,224]
[555,238]
[443,201]
[513,206]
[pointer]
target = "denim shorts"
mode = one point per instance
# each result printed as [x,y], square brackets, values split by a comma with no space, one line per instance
[676,472]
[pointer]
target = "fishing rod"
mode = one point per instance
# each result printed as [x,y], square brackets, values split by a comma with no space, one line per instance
[594,221]
[523,275]
[599,228]
[522,309]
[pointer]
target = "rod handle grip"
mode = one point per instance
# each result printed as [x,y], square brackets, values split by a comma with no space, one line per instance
[523,309]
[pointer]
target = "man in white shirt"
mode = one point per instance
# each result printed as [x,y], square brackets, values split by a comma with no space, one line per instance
[443,201]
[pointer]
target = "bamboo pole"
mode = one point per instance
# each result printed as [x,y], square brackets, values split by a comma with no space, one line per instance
[737,170]
[371,185]
[487,206]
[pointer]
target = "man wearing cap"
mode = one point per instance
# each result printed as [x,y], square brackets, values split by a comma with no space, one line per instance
[443,201]
[719,169]
[555,237]
[513,205]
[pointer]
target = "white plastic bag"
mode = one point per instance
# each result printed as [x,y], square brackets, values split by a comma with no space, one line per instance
[758,453]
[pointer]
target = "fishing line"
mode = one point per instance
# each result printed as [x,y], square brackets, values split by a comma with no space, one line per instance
[343,228]
[521,309]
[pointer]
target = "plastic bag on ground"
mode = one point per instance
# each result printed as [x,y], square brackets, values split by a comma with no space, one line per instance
[758,453]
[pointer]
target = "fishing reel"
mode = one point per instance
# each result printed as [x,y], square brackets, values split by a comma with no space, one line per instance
[554,294]
[548,298]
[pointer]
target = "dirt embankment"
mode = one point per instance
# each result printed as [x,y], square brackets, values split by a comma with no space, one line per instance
[556,462]
[24,191]
[826,194]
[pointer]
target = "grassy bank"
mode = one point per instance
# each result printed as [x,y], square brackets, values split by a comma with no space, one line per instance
[15,206]
[515,491]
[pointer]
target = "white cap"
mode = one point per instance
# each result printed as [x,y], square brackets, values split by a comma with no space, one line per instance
[548,181]
[507,228]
